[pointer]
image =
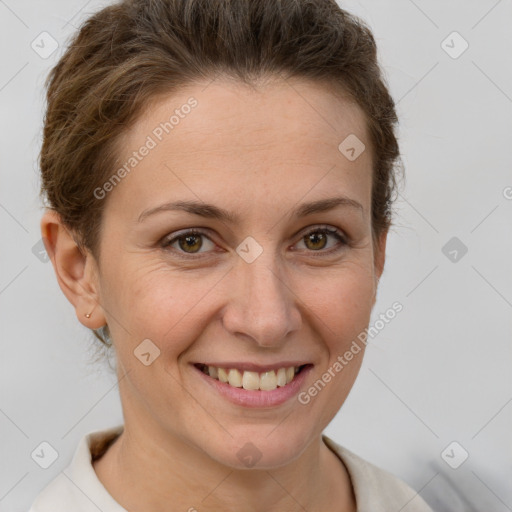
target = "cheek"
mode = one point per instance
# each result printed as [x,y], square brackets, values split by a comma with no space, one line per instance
[342,300]
[149,300]
[340,308]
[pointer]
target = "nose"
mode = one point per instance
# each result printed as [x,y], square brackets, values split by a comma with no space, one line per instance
[262,305]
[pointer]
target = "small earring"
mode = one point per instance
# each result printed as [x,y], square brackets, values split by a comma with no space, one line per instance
[88,315]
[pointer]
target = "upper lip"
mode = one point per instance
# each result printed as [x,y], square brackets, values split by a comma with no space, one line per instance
[252,367]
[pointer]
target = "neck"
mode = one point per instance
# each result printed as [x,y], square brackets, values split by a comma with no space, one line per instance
[152,472]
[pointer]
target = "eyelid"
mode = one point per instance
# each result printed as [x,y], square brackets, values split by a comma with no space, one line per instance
[331,230]
[168,240]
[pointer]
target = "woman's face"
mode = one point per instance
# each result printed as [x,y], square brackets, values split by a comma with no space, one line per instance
[262,288]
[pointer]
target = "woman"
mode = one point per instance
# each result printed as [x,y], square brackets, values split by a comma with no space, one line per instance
[219,178]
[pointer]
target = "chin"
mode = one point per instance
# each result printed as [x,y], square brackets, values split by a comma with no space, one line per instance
[260,447]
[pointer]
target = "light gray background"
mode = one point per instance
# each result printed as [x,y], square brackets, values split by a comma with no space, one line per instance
[439,372]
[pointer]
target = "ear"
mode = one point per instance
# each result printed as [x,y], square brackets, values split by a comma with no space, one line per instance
[379,258]
[77,272]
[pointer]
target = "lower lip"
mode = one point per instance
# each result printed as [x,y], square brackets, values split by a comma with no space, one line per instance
[257,398]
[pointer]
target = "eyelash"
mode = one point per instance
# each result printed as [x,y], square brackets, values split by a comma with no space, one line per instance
[167,242]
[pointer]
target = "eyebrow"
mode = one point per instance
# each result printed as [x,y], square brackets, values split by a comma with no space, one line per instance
[214,212]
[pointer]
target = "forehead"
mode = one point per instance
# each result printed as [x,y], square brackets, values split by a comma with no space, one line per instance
[223,136]
[226,107]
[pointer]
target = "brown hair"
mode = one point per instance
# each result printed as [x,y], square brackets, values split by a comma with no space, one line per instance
[129,53]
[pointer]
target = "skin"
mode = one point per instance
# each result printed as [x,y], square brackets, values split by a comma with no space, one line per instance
[258,153]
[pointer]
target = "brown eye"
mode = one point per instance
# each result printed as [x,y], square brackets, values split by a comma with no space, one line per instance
[188,242]
[316,240]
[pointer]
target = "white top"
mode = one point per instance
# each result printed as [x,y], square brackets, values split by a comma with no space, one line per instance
[78,489]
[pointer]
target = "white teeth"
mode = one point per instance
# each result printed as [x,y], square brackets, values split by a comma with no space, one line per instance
[268,381]
[251,380]
[281,377]
[265,381]
[222,374]
[235,378]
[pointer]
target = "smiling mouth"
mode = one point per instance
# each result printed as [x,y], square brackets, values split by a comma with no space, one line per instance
[252,381]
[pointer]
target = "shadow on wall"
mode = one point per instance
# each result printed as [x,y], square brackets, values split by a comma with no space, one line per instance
[460,492]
